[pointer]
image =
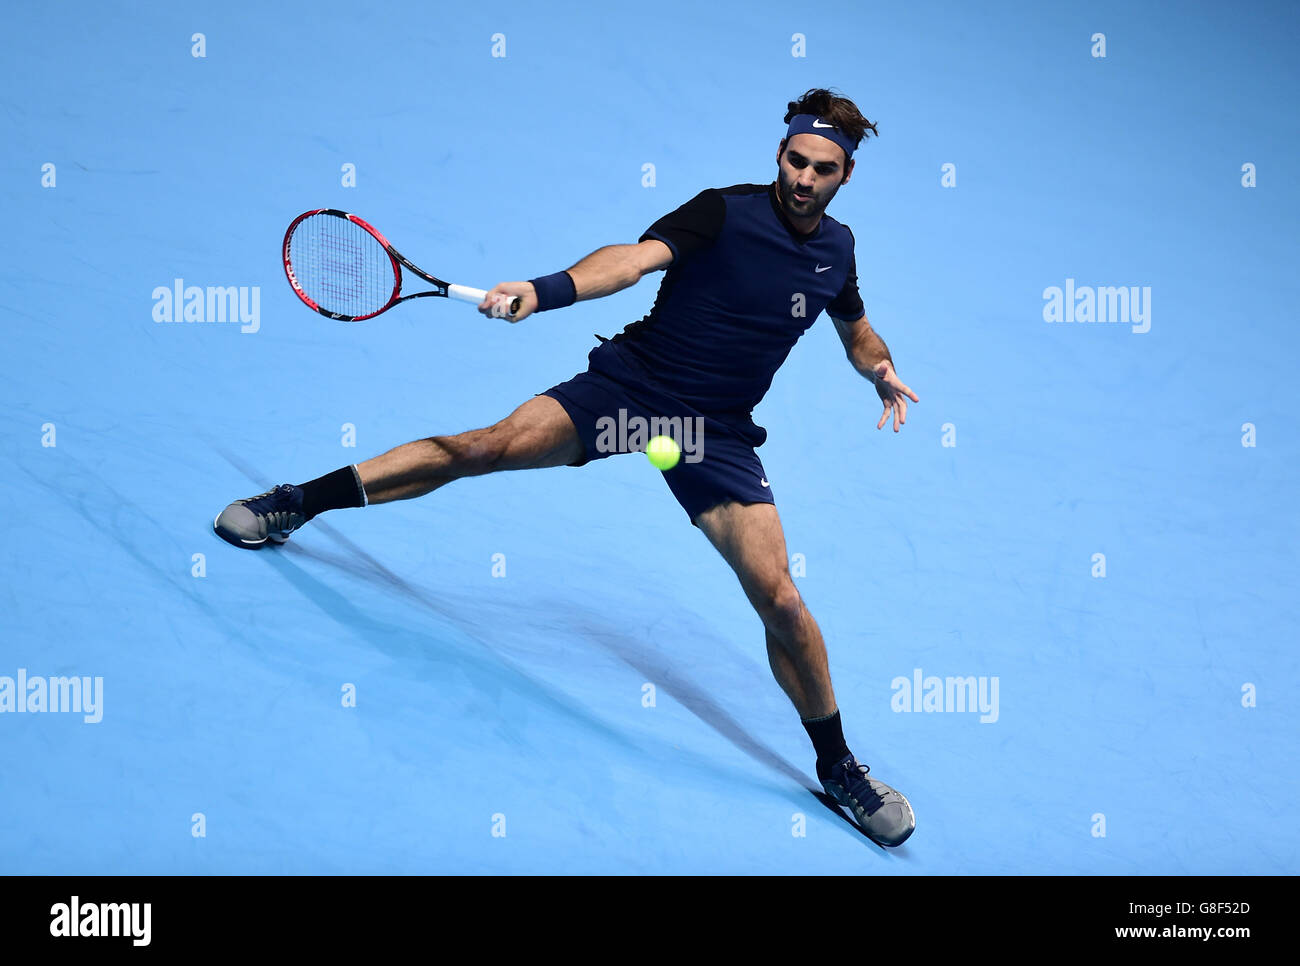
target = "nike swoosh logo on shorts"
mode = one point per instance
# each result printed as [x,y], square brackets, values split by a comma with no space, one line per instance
[823,268]
[820,124]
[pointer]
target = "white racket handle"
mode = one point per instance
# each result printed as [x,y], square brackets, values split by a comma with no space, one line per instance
[500,310]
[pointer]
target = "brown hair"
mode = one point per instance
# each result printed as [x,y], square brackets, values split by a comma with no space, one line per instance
[840,111]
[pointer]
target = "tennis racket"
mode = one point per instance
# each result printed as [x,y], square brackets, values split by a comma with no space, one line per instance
[344,269]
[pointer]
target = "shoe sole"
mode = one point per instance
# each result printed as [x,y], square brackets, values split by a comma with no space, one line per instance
[240,541]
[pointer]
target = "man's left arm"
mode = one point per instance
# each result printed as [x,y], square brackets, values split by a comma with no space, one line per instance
[870,356]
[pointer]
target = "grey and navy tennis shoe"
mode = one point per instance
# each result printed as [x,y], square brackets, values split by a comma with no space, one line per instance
[272,515]
[880,811]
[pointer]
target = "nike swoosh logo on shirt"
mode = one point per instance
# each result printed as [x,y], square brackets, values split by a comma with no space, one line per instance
[823,268]
[820,124]
[765,483]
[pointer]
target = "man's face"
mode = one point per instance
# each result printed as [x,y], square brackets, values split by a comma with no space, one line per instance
[810,171]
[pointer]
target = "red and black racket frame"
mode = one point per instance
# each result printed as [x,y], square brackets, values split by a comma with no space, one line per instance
[396,257]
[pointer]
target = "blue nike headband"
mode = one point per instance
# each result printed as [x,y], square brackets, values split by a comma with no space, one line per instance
[812,124]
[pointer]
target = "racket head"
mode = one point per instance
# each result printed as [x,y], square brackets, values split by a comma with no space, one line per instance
[340,265]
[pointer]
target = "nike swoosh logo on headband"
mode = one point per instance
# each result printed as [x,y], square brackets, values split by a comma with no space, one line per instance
[818,123]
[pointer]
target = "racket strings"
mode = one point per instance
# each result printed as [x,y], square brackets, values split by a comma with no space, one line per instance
[341,266]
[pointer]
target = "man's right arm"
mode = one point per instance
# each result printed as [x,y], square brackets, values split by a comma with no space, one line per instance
[616,267]
[605,271]
[675,237]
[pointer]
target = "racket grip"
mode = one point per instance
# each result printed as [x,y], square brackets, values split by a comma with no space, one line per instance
[501,310]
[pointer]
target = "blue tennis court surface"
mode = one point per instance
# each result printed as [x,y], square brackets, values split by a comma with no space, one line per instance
[1088,529]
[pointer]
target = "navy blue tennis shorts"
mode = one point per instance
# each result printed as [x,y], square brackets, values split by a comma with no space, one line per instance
[620,416]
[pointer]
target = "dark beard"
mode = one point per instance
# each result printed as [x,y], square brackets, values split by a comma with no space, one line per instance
[787,199]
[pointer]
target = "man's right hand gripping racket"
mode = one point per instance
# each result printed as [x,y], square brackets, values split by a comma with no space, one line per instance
[344,269]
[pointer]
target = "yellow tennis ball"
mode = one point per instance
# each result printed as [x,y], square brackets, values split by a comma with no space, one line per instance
[663,452]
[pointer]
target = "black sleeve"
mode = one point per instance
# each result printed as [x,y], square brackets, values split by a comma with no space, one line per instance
[847,306]
[692,227]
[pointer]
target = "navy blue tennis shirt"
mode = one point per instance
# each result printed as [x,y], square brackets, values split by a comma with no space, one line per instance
[743,286]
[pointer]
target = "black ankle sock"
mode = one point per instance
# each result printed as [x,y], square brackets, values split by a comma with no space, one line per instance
[333,491]
[827,736]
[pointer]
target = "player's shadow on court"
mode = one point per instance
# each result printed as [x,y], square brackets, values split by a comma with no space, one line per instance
[637,653]
[641,656]
[416,647]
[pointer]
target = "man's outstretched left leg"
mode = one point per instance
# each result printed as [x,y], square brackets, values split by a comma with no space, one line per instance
[750,539]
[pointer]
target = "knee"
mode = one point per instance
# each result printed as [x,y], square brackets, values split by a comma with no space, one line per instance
[779,604]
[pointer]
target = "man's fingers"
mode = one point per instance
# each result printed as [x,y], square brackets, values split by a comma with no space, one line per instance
[885,373]
[488,301]
[895,383]
[496,304]
[501,306]
[894,394]
[896,405]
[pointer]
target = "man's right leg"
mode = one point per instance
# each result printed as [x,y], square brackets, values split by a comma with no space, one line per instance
[539,433]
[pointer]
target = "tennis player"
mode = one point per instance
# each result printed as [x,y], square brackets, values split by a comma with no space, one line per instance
[749,268]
